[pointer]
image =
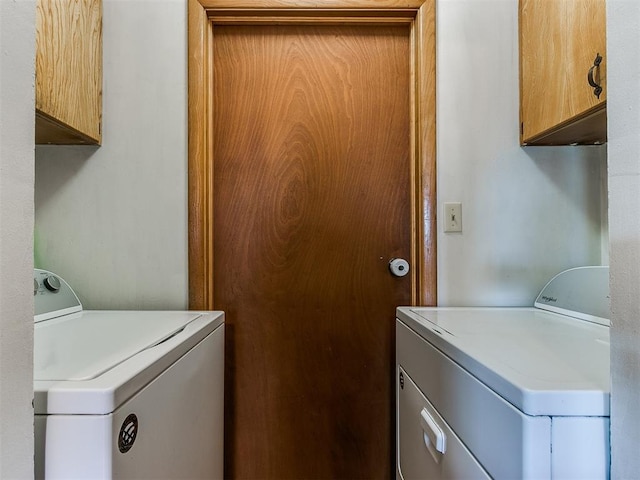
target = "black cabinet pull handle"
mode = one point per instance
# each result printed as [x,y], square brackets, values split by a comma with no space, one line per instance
[597,89]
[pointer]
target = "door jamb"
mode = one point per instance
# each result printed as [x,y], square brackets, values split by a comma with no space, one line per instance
[418,14]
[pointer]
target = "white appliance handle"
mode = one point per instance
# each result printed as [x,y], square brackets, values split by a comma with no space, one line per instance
[434,438]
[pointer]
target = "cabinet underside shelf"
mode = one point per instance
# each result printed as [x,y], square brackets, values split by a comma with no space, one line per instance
[52,132]
[590,129]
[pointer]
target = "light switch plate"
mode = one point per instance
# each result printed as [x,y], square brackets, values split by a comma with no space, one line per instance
[452,217]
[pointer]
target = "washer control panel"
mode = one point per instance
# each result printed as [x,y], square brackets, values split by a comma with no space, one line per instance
[53,296]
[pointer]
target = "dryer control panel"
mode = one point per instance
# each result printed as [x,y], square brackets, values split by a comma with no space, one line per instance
[581,292]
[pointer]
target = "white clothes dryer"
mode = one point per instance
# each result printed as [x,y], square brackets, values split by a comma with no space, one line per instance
[125,394]
[507,393]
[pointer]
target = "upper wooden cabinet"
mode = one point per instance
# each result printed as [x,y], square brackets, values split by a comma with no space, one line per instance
[559,43]
[69,72]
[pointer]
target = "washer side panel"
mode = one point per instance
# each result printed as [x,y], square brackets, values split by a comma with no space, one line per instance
[180,419]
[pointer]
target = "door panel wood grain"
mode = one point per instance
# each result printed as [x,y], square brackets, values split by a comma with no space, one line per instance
[312,198]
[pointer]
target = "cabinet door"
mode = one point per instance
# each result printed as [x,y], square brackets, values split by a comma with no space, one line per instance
[559,41]
[68,71]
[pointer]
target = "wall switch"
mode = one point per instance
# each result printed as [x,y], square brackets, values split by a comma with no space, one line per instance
[453,217]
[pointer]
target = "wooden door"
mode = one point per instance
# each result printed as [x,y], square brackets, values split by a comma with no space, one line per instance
[313,185]
[311,199]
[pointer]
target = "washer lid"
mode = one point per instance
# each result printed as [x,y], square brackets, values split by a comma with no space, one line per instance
[93,361]
[84,345]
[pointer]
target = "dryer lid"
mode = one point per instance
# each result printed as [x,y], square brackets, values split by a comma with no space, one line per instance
[541,362]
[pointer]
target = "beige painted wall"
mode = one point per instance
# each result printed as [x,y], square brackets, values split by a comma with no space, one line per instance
[17,56]
[623,107]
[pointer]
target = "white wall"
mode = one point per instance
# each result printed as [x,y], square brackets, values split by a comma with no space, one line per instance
[112,220]
[17,56]
[527,213]
[623,107]
[119,211]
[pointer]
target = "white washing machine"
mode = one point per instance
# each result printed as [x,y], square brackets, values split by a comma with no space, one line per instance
[125,394]
[507,393]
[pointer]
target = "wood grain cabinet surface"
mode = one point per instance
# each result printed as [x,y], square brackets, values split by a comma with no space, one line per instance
[69,72]
[559,43]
